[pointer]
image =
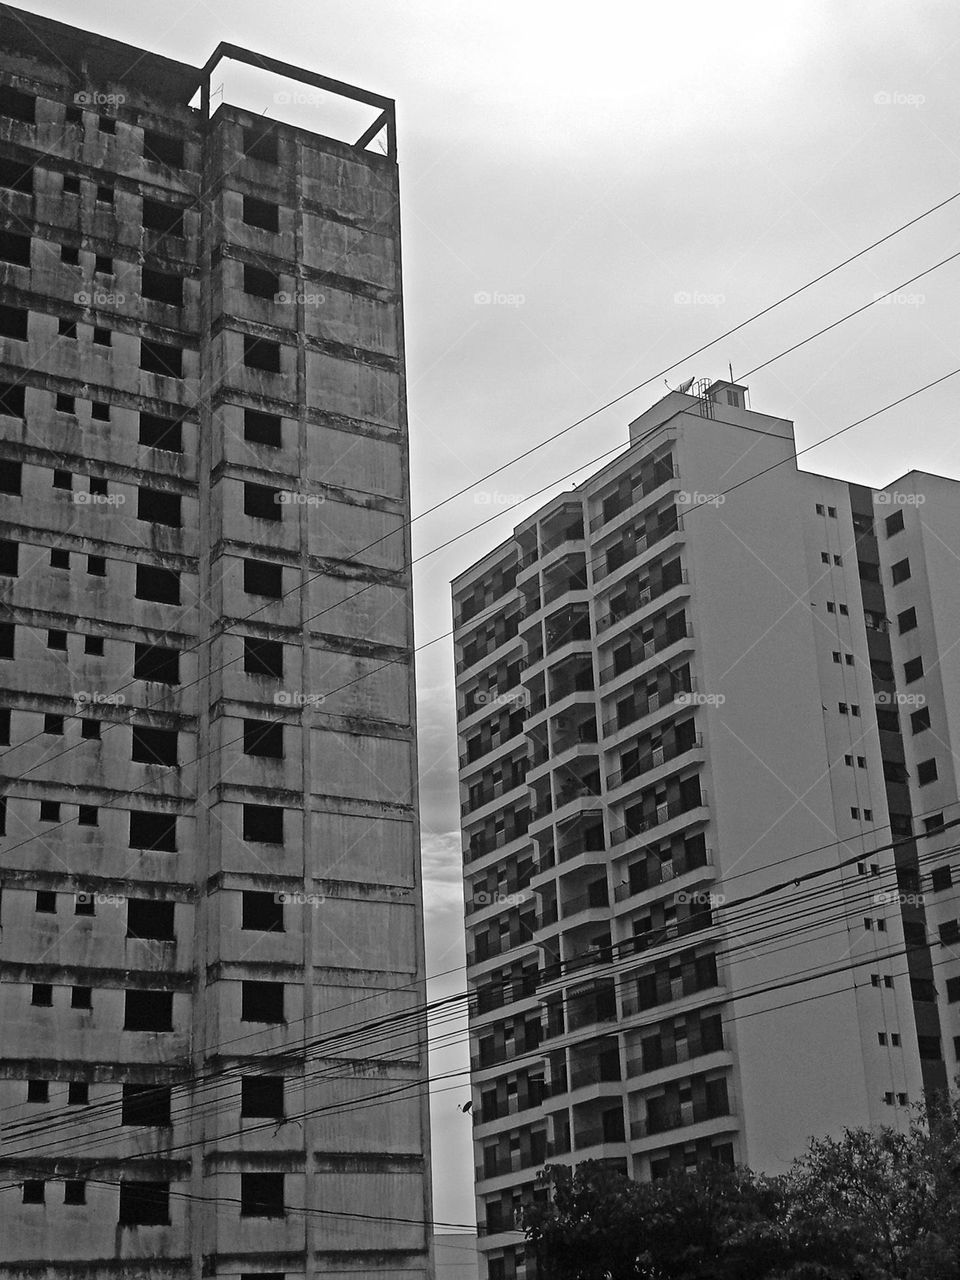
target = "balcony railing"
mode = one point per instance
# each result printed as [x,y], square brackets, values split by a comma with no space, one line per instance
[642,545]
[640,492]
[652,647]
[664,813]
[596,1137]
[677,1118]
[592,1073]
[645,598]
[657,757]
[616,724]
[583,902]
[661,873]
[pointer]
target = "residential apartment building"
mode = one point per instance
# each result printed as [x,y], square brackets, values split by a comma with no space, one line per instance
[208,825]
[706,708]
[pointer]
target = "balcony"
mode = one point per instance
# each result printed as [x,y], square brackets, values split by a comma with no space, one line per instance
[597,1136]
[678,1118]
[645,653]
[589,901]
[664,813]
[656,702]
[657,757]
[645,598]
[642,545]
[662,873]
[664,475]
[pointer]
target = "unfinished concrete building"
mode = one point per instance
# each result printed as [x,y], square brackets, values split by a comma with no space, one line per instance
[211,957]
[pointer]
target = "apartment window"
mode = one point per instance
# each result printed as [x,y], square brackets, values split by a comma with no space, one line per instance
[831,607]
[262,1097]
[263,823]
[821,510]
[262,354]
[90,729]
[941,878]
[927,772]
[107,124]
[148,1011]
[104,194]
[907,620]
[261,213]
[99,411]
[12,399]
[861,762]
[34,1191]
[157,432]
[854,708]
[900,572]
[49,810]
[144,1204]
[855,814]
[261,1002]
[74,1191]
[15,248]
[913,670]
[160,357]
[260,578]
[70,255]
[5,725]
[263,738]
[13,322]
[894,523]
[62,479]
[7,633]
[145,1104]
[9,558]
[920,720]
[824,557]
[88,815]
[18,105]
[843,708]
[101,337]
[38,1090]
[161,286]
[93,645]
[262,911]
[103,264]
[153,831]
[154,662]
[838,560]
[262,502]
[848,760]
[260,144]
[262,657]
[71,185]
[260,283]
[167,219]
[10,476]
[162,149]
[16,176]
[84,905]
[56,639]
[154,746]
[147,918]
[46,902]
[953,990]
[262,428]
[836,656]
[161,585]
[832,512]
[42,995]
[81,998]
[98,485]
[868,572]
[842,610]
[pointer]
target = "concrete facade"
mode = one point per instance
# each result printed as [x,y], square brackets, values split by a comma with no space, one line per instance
[706,915]
[211,956]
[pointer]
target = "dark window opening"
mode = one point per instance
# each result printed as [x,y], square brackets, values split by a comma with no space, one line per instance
[11,475]
[147,918]
[66,404]
[164,218]
[78,1093]
[15,248]
[262,1097]
[262,502]
[42,995]
[154,746]
[154,662]
[99,411]
[161,286]
[157,432]
[262,428]
[148,1011]
[38,1090]
[16,176]
[46,902]
[261,353]
[162,149]
[74,1191]
[49,810]
[261,213]
[145,1104]
[263,911]
[161,585]
[260,578]
[261,1002]
[18,105]
[88,815]
[97,568]
[144,1204]
[81,998]
[90,729]
[263,823]
[263,738]
[257,281]
[13,322]
[159,507]
[103,264]
[260,144]
[34,1191]
[53,724]
[153,831]
[160,357]
[12,399]
[57,639]
[262,657]
[59,559]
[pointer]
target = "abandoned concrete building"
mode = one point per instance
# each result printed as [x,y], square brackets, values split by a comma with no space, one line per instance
[213,1056]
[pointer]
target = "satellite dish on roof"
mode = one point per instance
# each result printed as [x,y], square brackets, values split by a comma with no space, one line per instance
[685,386]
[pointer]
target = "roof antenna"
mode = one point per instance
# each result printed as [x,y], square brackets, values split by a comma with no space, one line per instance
[730,367]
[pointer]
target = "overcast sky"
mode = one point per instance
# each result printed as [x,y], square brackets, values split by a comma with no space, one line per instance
[625,182]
